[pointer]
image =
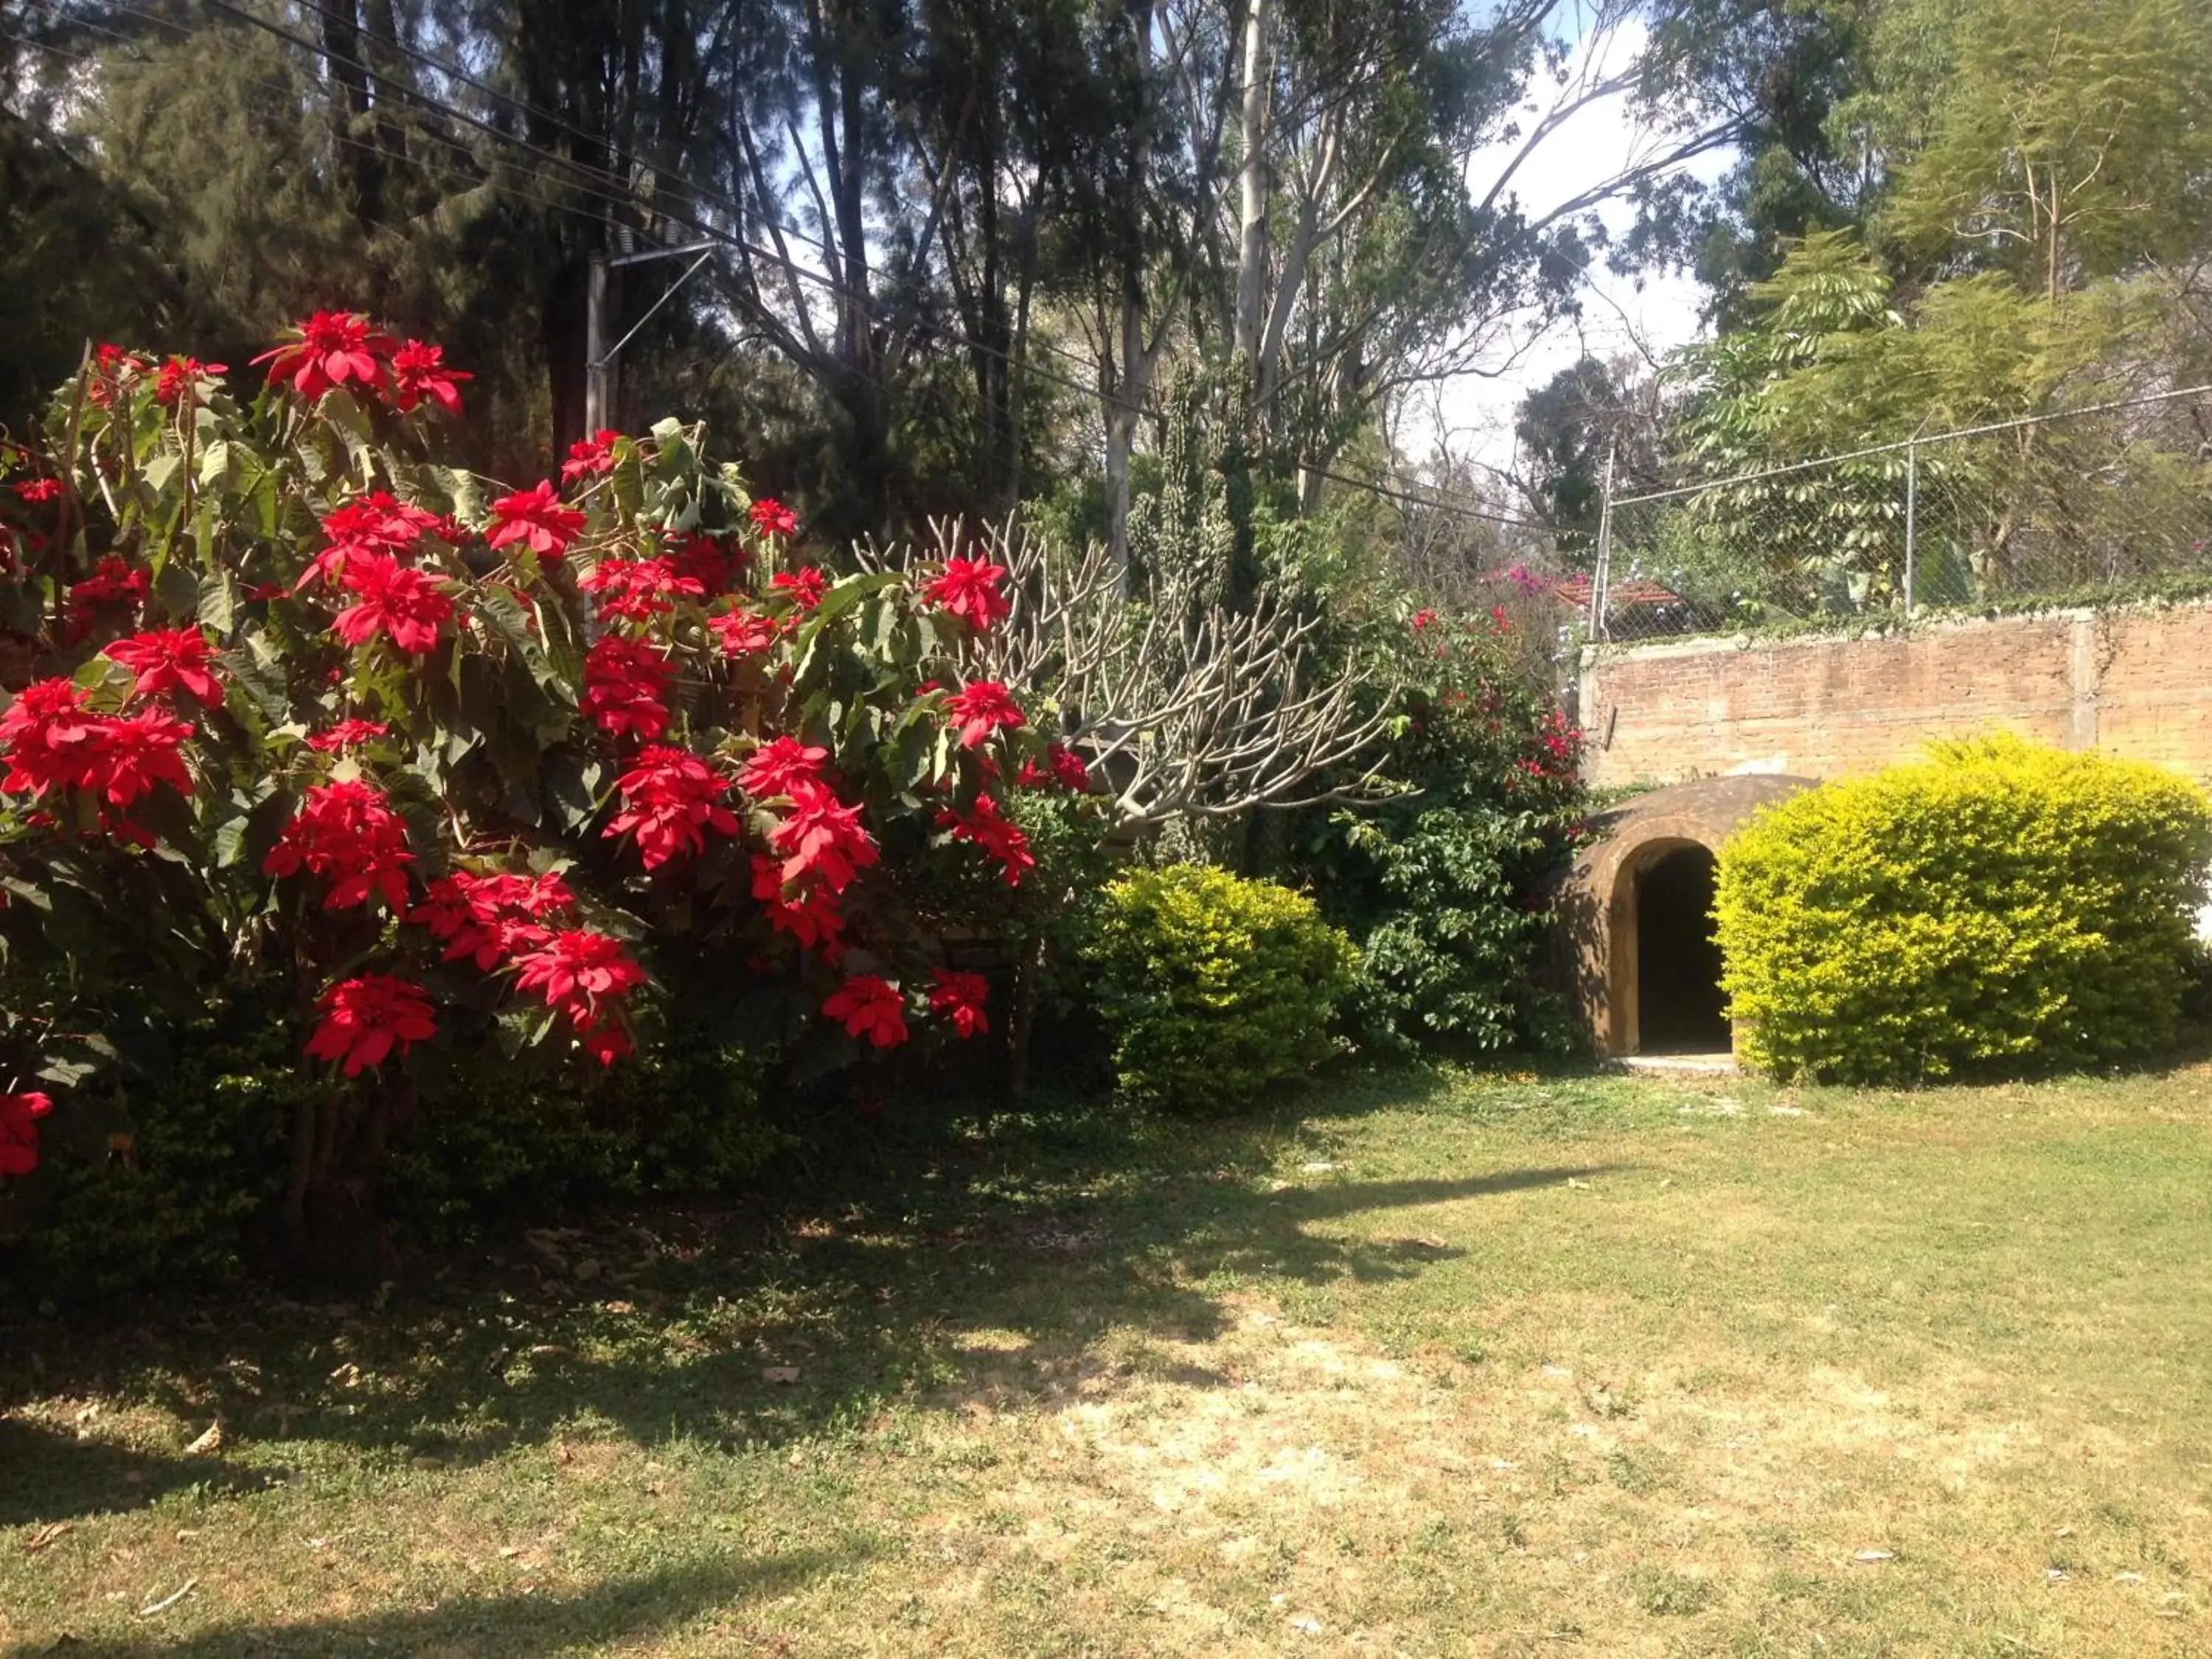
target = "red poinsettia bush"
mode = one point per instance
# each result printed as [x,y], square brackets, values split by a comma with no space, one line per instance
[461,765]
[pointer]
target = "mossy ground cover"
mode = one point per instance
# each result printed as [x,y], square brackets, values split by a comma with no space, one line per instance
[1450,1364]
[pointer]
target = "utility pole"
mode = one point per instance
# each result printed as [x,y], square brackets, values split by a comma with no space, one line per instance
[598,322]
[598,363]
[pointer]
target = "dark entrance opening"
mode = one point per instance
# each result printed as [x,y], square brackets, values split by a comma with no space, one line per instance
[1678,960]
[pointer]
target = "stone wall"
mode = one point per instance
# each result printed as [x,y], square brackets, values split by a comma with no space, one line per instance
[2134,683]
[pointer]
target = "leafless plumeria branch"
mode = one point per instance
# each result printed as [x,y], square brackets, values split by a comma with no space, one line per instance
[1183,708]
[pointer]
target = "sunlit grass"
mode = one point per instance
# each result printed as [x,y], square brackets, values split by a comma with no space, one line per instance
[1441,1366]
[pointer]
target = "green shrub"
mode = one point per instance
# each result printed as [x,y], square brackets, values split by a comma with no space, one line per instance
[178,1184]
[1999,908]
[1214,986]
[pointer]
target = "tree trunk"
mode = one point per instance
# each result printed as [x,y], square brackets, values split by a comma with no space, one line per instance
[1251,181]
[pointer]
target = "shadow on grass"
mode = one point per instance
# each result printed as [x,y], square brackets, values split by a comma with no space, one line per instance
[48,1474]
[512,1626]
[880,1282]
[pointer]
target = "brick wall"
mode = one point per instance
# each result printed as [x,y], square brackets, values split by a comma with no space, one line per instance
[2134,683]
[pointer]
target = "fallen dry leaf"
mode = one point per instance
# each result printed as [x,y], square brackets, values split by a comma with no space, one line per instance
[209,1442]
[47,1535]
[779,1373]
[1868,1558]
[170,1600]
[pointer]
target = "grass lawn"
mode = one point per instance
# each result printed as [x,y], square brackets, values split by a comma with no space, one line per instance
[1452,1365]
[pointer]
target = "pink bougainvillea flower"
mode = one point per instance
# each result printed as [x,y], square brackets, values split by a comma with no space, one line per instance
[778,767]
[989,827]
[638,590]
[404,605]
[591,458]
[624,684]
[807,911]
[970,589]
[962,998]
[772,518]
[981,708]
[180,659]
[537,519]
[803,587]
[580,973]
[869,1007]
[39,491]
[348,831]
[420,374]
[19,1130]
[182,377]
[671,799]
[331,349]
[822,839]
[364,1019]
[744,633]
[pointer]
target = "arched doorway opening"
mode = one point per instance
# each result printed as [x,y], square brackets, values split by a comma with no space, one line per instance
[1679,1007]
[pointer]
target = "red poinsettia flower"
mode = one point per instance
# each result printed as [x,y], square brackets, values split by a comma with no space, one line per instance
[113,370]
[981,708]
[870,1007]
[707,560]
[806,910]
[803,587]
[777,767]
[131,753]
[670,799]
[537,519]
[638,590]
[489,918]
[1423,621]
[1068,767]
[822,839]
[772,518]
[404,605]
[347,734]
[580,973]
[329,349]
[378,522]
[606,1041]
[364,1019]
[989,827]
[46,735]
[961,998]
[624,682]
[420,374]
[182,377]
[176,660]
[346,830]
[969,588]
[591,458]
[112,582]
[745,633]
[19,1131]
[39,491]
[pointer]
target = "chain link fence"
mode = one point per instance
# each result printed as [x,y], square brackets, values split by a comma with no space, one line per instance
[2097,505]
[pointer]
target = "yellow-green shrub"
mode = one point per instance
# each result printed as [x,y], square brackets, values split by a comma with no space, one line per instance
[2000,907]
[1212,986]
